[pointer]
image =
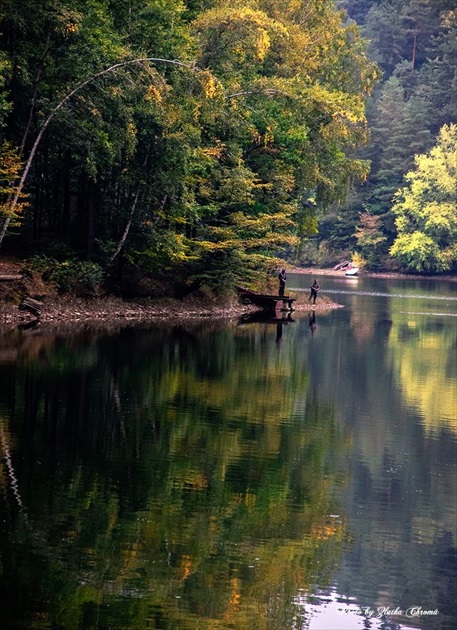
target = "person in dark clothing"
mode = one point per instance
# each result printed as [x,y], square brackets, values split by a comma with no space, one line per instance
[282,281]
[314,289]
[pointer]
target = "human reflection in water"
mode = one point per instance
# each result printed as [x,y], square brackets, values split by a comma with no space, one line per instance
[278,332]
[312,322]
[286,318]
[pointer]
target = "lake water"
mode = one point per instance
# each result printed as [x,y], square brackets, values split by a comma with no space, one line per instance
[251,475]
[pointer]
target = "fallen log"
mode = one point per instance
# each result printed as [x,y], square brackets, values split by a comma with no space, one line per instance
[10,277]
[31,305]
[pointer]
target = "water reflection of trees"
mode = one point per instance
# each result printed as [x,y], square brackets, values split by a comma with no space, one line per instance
[172,478]
[390,383]
[422,352]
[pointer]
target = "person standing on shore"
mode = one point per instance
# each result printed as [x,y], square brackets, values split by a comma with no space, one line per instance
[314,289]
[282,281]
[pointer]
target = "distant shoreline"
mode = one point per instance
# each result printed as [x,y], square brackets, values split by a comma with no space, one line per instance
[318,271]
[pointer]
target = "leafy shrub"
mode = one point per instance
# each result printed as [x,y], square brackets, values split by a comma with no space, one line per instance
[59,251]
[89,276]
[42,264]
[358,260]
[82,277]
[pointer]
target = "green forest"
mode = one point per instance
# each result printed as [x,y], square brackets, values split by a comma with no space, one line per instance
[203,142]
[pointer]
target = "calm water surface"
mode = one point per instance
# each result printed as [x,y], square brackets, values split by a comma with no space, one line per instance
[296,474]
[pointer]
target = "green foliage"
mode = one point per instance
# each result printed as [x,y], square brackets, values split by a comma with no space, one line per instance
[414,42]
[10,170]
[183,167]
[438,78]
[80,277]
[425,209]
[297,121]
[371,240]
[5,105]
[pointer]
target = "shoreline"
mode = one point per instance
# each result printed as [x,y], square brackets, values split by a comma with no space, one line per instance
[394,275]
[111,309]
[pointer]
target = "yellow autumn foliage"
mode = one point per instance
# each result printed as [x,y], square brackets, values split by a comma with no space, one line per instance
[422,369]
[10,171]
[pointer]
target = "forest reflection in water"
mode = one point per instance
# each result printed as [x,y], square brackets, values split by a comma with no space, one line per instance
[218,474]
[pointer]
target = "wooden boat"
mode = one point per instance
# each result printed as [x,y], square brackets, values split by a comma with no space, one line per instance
[265,301]
[343,266]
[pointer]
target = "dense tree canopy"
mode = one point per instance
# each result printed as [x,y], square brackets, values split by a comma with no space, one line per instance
[201,169]
[415,44]
[238,134]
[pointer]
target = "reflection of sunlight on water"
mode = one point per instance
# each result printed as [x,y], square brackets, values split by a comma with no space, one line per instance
[413,296]
[5,453]
[331,611]
[427,313]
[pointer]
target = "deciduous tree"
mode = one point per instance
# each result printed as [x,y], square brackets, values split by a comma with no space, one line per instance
[425,209]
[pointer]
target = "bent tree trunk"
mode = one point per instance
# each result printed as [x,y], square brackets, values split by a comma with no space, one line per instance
[59,106]
[126,230]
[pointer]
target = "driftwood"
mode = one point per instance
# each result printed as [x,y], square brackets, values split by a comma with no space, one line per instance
[9,277]
[31,305]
